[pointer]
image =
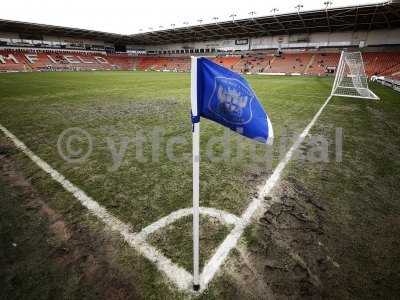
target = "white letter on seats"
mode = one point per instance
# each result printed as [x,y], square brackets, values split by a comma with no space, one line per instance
[84,61]
[71,59]
[32,58]
[101,60]
[9,57]
[51,59]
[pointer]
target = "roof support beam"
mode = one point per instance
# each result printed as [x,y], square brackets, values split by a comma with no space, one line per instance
[263,29]
[372,18]
[304,23]
[356,20]
[387,21]
[327,20]
[281,24]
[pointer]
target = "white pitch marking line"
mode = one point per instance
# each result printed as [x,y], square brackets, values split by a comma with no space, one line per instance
[179,276]
[221,216]
[232,239]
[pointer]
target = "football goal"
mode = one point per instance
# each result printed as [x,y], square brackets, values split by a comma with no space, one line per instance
[350,79]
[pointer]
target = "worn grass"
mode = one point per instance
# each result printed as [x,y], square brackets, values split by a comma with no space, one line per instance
[112,106]
[37,108]
[361,195]
[360,199]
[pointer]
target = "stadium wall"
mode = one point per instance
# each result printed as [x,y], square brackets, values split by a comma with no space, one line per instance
[313,40]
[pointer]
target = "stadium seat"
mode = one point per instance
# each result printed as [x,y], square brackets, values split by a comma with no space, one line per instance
[322,62]
[227,61]
[381,63]
[289,63]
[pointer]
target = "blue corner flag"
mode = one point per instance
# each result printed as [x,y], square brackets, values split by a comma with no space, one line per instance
[225,97]
[220,95]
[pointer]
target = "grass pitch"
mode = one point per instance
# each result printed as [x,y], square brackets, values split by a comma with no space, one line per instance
[358,196]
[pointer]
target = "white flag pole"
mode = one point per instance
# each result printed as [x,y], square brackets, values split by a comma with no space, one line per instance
[196,175]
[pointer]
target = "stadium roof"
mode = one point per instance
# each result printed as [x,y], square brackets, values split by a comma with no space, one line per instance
[35,29]
[366,17]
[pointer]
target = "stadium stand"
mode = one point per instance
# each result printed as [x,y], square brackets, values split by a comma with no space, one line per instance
[56,60]
[321,63]
[122,62]
[12,61]
[227,61]
[246,45]
[177,64]
[305,63]
[289,63]
[385,63]
[253,62]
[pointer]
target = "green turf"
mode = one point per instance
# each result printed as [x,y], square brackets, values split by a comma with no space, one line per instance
[112,106]
[118,105]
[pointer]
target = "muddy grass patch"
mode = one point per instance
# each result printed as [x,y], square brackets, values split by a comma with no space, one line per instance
[284,249]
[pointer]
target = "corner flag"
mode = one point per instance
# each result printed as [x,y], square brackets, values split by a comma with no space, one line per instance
[225,97]
[220,95]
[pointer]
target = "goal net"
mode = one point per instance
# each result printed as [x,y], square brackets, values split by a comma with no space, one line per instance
[350,79]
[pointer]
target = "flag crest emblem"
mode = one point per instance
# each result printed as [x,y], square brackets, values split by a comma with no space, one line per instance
[231,100]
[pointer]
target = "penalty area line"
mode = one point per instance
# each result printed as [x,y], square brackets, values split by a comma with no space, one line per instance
[215,263]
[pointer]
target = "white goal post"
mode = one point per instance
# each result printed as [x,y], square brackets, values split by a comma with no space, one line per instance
[350,79]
